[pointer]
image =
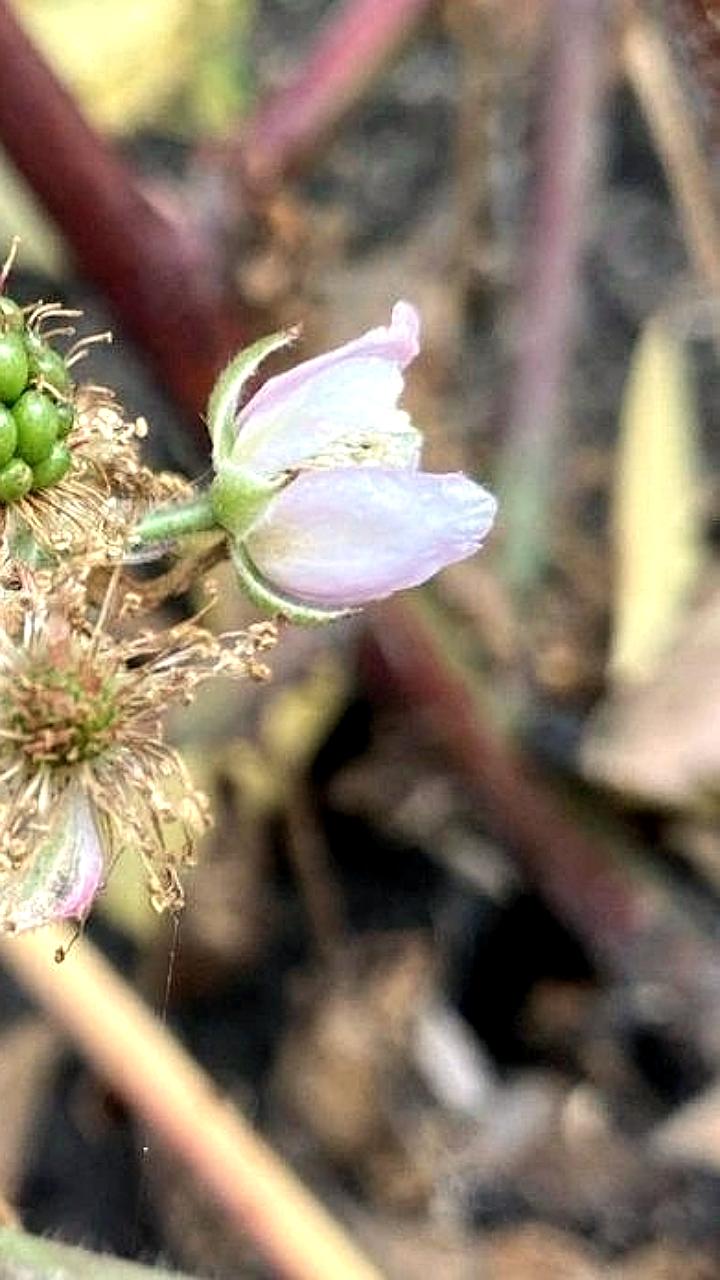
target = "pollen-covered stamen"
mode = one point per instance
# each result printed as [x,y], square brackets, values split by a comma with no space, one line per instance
[62,717]
[397,448]
[80,349]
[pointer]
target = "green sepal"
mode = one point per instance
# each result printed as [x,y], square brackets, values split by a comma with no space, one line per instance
[225,395]
[264,597]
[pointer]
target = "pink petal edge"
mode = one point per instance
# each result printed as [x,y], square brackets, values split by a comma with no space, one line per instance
[340,538]
[347,395]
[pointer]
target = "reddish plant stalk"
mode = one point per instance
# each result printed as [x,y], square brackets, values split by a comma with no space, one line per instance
[554,241]
[155,268]
[352,47]
[608,907]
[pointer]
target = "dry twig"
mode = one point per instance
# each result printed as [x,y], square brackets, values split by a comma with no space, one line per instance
[181,1106]
[650,70]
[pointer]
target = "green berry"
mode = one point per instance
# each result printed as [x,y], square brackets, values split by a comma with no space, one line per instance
[8,435]
[53,468]
[36,418]
[15,480]
[49,365]
[13,366]
[66,418]
[11,316]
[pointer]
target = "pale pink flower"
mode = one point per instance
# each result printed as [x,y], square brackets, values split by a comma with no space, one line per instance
[346,516]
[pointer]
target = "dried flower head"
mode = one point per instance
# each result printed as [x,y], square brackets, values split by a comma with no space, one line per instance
[85,772]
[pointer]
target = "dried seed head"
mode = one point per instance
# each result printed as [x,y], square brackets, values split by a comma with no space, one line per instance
[81,713]
[62,715]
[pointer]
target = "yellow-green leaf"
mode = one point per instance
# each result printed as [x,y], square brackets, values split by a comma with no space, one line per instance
[134,63]
[122,60]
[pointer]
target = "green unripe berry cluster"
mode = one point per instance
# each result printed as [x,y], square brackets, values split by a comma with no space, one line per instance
[36,410]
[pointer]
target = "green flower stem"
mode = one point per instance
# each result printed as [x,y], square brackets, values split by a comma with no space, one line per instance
[166,523]
[25,1257]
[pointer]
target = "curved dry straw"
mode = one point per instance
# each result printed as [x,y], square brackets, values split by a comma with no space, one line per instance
[183,1109]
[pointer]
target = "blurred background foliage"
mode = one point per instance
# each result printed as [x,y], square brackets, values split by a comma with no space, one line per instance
[179,69]
[176,65]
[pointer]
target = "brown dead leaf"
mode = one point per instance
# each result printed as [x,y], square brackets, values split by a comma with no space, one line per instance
[666,1262]
[660,741]
[528,1252]
[657,509]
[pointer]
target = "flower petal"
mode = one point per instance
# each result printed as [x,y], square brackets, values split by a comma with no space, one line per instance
[349,393]
[340,538]
[65,873]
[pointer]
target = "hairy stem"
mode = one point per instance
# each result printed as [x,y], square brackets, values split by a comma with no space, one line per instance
[166,523]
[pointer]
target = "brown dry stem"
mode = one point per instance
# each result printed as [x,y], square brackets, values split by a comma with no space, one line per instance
[649,67]
[181,1106]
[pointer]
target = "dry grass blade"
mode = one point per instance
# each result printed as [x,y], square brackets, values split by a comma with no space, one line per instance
[180,1104]
[650,70]
[656,503]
